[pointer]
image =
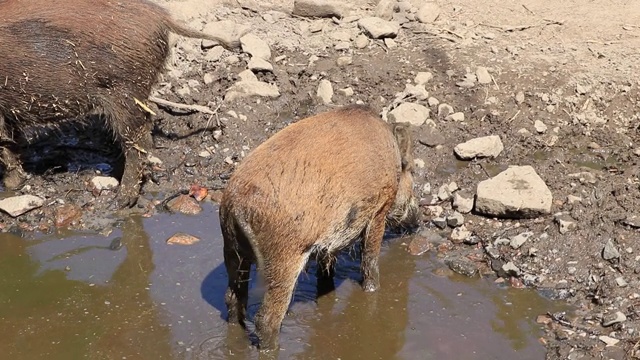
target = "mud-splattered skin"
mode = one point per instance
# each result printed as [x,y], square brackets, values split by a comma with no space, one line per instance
[315,187]
[64,60]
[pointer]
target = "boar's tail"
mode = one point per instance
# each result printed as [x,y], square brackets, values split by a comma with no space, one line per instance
[191,33]
[402,134]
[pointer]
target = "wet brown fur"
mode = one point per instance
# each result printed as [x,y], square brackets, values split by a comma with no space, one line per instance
[315,187]
[62,60]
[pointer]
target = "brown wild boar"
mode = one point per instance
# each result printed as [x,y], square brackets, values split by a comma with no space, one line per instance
[315,187]
[62,60]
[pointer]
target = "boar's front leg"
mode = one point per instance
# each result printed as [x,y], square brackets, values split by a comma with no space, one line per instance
[371,244]
[14,175]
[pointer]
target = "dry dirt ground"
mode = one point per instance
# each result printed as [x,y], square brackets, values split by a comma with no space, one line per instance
[572,65]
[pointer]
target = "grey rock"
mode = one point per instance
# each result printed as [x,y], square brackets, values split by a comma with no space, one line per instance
[431,136]
[247,75]
[614,318]
[255,47]
[519,240]
[244,89]
[620,281]
[377,28]
[460,234]
[462,202]
[517,192]
[511,269]
[458,116]
[456,219]
[423,77]
[18,205]
[325,91]
[440,222]
[444,110]
[104,183]
[259,64]
[486,146]
[483,76]
[610,251]
[318,8]
[227,30]
[462,266]
[428,13]
[411,113]
[384,9]
[565,223]
[361,41]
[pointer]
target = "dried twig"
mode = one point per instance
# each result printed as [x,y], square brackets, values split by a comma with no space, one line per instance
[199,108]
[514,116]
[432,33]
[524,27]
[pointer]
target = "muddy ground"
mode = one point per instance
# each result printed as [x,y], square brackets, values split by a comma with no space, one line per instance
[574,67]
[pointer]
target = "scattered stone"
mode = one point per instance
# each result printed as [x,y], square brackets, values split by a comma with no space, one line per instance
[540,127]
[233,59]
[377,28]
[428,13]
[182,239]
[492,251]
[431,136]
[227,30]
[411,113]
[184,204]
[426,188]
[100,183]
[462,202]
[423,77]
[346,91]
[18,205]
[460,234]
[572,199]
[317,8]
[154,160]
[208,78]
[419,245]
[610,251]
[316,26]
[462,266]
[483,76]
[384,9]
[390,43]
[517,192]
[417,91]
[444,110]
[609,341]
[486,146]
[621,282]
[511,269]
[519,97]
[341,35]
[244,89]
[343,45]
[459,116]
[565,223]
[361,41]
[440,222]
[519,240]
[419,163]
[247,75]
[344,60]
[255,47]
[433,101]
[204,154]
[631,220]
[584,177]
[445,191]
[67,214]
[325,91]
[455,220]
[258,64]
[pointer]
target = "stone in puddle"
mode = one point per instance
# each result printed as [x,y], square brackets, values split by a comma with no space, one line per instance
[184,204]
[462,266]
[18,205]
[517,192]
[182,239]
[486,146]
[66,214]
[419,245]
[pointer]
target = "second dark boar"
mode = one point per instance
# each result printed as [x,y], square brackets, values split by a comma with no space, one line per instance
[314,188]
[62,60]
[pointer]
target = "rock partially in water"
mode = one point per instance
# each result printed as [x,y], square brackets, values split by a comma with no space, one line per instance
[419,245]
[184,204]
[18,205]
[67,214]
[462,266]
[182,239]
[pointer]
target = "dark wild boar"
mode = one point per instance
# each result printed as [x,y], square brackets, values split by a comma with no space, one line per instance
[314,188]
[65,59]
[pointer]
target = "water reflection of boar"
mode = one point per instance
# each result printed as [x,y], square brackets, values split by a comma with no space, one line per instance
[315,187]
[64,59]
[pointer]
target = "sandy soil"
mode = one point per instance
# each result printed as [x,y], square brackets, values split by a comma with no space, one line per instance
[575,62]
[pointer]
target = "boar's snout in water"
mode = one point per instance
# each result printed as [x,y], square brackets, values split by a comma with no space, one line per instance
[315,187]
[65,59]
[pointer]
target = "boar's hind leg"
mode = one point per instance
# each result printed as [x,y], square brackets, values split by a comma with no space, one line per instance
[281,273]
[133,132]
[371,244]
[238,270]
[14,175]
[325,273]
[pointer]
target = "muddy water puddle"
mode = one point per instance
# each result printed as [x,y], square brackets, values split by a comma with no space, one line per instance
[79,296]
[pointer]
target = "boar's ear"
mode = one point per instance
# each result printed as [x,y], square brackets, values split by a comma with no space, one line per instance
[402,133]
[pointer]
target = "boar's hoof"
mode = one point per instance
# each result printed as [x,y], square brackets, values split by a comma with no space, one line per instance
[370,285]
[127,197]
[14,179]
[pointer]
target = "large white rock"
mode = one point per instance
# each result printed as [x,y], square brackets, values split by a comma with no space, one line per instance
[18,205]
[486,146]
[255,47]
[318,8]
[243,89]
[378,28]
[414,114]
[517,192]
